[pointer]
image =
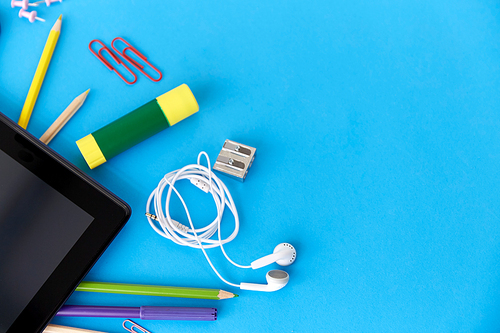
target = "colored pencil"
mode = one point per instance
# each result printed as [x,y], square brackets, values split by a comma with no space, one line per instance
[149,290]
[66,329]
[143,312]
[43,64]
[63,118]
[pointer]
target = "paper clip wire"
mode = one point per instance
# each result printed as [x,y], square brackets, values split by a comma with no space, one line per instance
[132,61]
[134,326]
[107,64]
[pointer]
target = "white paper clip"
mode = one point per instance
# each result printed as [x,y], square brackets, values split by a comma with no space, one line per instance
[134,326]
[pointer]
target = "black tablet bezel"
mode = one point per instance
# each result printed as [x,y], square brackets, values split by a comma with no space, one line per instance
[110,214]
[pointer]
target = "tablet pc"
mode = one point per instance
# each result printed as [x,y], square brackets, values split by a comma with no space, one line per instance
[55,222]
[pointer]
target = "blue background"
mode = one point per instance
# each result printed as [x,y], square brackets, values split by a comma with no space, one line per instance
[377,131]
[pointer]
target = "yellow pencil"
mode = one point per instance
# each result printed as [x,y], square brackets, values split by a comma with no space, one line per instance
[63,118]
[36,84]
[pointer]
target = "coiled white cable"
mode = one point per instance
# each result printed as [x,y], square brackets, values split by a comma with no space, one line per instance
[206,180]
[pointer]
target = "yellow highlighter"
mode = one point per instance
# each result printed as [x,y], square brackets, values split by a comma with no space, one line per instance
[36,84]
[136,126]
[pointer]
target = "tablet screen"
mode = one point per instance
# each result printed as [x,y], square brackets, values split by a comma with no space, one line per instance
[33,216]
[55,222]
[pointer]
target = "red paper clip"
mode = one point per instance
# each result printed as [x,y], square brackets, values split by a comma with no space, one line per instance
[132,61]
[107,64]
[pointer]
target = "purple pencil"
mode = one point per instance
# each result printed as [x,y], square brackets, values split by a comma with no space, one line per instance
[143,312]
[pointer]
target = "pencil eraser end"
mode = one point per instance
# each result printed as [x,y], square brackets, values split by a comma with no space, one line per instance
[91,151]
[178,104]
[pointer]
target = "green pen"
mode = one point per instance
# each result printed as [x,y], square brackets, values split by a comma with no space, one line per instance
[150,290]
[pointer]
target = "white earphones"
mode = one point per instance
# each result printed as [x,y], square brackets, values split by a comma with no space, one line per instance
[284,254]
[276,280]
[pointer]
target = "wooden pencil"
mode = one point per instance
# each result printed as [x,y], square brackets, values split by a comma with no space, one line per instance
[51,328]
[43,64]
[63,118]
[148,290]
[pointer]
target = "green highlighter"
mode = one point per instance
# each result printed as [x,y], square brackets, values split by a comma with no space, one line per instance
[138,125]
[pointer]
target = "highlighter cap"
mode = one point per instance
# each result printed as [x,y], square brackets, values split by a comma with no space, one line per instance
[178,104]
[91,151]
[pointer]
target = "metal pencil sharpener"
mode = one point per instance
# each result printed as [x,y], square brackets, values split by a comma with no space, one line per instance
[235,159]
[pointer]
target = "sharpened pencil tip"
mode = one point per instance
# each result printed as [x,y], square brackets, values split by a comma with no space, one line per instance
[57,25]
[87,91]
[60,17]
[236,295]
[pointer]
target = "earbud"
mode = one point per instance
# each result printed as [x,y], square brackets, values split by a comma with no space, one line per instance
[284,254]
[276,280]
